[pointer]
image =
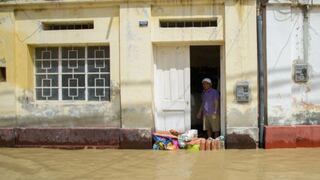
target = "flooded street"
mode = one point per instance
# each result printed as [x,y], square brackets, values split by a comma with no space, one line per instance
[40,163]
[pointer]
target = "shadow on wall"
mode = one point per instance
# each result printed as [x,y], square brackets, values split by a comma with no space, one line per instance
[63,14]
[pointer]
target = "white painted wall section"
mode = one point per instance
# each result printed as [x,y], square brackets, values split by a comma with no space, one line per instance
[289,102]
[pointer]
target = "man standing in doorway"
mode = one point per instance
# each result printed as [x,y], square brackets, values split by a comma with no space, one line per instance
[209,109]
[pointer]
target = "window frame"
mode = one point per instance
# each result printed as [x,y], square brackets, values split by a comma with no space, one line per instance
[212,23]
[60,73]
[50,25]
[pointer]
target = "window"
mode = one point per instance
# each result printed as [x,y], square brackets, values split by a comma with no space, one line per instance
[72,73]
[187,23]
[67,25]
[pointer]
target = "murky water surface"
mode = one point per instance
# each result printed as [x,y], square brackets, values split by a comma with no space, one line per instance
[137,164]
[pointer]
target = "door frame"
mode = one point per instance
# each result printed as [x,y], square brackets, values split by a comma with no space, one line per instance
[223,109]
[222,80]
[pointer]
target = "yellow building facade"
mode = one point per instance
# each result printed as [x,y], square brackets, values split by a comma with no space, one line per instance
[109,63]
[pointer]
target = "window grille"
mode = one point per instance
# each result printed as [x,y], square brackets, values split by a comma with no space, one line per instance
[187,23]
[72,73]
[67,26]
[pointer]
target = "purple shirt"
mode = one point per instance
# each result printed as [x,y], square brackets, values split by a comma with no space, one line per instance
[208,98]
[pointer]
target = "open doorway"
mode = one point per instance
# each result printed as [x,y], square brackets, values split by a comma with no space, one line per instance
[204,63]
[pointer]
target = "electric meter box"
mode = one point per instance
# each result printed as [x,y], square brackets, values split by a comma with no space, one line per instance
[300,73]
[242,92]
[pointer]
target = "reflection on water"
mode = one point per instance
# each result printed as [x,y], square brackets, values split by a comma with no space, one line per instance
[137,164]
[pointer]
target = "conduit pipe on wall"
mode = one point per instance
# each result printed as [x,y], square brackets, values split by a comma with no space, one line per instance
[305,11]
[261,73]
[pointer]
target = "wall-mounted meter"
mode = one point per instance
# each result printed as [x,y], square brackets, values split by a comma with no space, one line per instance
[143,23]
[300,73]
[242,92]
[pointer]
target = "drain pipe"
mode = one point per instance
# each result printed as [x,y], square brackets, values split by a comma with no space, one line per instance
[305,11]
[261,72]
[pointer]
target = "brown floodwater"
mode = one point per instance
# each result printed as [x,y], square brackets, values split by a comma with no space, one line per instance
[38,163]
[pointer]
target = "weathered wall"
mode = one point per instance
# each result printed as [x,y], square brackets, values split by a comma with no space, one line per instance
[29,34]
[188,35]
[136,49]
[136,66]
[132,58]
[241,65]
[7,57]
[289,102]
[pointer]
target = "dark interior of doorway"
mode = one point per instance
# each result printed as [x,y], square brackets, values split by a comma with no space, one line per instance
[3,77]
[205,63]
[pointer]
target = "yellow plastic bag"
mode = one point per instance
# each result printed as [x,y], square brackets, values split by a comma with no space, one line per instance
[193,147]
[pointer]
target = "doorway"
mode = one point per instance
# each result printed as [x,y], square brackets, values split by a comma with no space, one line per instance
[204,63]
[178,72]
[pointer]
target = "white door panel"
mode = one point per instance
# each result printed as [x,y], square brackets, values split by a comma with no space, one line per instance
[172,87]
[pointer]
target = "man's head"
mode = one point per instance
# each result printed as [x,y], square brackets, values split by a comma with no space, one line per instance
[206,83]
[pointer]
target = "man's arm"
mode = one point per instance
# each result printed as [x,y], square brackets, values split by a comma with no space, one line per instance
[216,105]
[200,111]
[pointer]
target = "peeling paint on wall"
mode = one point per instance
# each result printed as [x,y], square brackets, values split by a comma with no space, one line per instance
[290,102]
[242,118]
[31,113]
[238,41]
